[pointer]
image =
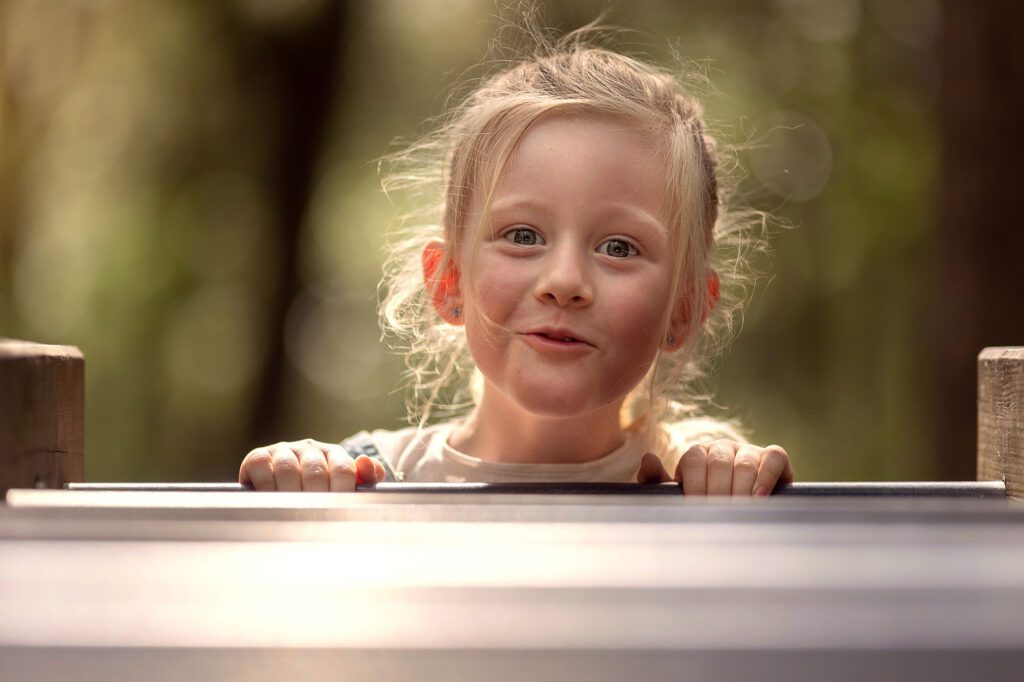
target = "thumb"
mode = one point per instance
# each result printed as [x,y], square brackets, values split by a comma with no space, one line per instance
[652,470]
[368,471]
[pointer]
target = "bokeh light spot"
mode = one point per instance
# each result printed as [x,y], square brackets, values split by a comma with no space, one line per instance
[793,157]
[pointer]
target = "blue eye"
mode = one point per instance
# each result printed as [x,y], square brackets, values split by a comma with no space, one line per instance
[523,236]
[618,248]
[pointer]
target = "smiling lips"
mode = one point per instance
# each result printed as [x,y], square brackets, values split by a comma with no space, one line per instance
[556,339]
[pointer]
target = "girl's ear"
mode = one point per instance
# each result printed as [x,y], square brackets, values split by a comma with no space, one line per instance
[680,326]
[441,278]
[713,293]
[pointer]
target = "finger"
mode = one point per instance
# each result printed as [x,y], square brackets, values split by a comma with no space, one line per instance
[313,468]
[651,470]
[368,470]
[720,463]
[341,470]
[287,475]
[775,468]
[257,470]
[692,470]
[745,468]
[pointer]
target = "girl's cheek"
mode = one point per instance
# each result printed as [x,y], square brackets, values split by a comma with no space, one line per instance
[490,300]
[638,313]
[499,287]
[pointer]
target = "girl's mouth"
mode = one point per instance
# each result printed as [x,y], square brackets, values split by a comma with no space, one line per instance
[555,339]
[564,339]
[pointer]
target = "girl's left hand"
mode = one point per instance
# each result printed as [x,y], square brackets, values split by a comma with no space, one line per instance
[723,467]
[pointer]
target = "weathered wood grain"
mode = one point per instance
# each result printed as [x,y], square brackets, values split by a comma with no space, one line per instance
[1001,418]
[42,415]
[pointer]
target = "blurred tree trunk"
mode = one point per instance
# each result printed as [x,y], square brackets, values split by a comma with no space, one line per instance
[301,67]
[980,237]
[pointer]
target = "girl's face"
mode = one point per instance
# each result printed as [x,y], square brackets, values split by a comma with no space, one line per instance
[570,282]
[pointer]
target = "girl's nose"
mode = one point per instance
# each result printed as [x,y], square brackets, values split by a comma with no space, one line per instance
[565,280]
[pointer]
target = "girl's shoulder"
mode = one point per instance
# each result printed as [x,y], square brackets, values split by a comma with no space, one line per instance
[401,447]
[702,430]
[675,438]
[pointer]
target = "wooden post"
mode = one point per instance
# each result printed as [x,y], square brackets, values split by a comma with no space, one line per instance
[1001,418]
[42,415]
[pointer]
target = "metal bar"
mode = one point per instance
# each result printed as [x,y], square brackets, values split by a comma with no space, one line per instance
[980,489]
[170,664]
[802,588]
[509,601]
[26,509]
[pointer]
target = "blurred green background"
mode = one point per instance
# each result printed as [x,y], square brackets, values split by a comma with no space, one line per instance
[189,193]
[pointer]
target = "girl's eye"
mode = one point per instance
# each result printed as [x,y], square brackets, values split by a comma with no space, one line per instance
[618,248]
[524,236]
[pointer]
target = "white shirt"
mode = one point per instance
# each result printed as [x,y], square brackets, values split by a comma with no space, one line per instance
[424,455]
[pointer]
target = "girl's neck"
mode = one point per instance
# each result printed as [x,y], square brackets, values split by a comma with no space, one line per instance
[500,431]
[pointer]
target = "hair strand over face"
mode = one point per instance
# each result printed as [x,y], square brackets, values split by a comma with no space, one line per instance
[464,159]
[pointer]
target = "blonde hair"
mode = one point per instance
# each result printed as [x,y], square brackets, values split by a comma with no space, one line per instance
[467,153]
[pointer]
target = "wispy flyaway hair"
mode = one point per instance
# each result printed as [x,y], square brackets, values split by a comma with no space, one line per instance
[462,161]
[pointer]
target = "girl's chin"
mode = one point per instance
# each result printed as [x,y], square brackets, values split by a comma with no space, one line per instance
[556,402]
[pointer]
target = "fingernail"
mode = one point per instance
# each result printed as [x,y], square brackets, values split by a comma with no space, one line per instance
[761,492]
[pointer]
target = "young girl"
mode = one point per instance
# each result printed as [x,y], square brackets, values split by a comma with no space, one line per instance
[571,275]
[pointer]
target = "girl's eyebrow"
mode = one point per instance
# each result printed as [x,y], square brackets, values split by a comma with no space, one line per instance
[511,203]
[616,210]
[634,214]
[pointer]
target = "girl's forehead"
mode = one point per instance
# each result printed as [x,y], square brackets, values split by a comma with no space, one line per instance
[593,159]
[558,131]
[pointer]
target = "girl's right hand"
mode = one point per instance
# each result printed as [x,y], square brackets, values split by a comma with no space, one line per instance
[307,465]
[723,467]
